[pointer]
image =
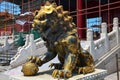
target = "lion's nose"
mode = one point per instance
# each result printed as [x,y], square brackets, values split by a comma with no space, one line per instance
[36,21]
[33,25]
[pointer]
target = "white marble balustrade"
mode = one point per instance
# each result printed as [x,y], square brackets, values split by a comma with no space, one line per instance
[107,41]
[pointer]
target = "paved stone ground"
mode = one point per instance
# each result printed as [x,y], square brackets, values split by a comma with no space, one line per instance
[4,77]
[112,76]
[2,70]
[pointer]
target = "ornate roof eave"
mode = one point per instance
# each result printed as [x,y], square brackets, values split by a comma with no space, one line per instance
[6,16]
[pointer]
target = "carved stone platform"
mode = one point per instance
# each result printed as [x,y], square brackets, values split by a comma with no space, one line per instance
[99,74]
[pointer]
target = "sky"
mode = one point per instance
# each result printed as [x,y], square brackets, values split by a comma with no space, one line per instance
[10,7]
[94,21]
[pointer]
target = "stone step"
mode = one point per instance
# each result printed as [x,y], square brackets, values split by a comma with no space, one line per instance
[5,59]
[6,56]
[8,53]
[2,62]
[13,51]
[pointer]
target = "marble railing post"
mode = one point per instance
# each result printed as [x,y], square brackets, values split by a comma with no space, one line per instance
[104,35]
[6,41]
[27,40]
[13,36]
[32,44]
[1,36]
[6,44]
[90,42]
[116,29]
[31,38]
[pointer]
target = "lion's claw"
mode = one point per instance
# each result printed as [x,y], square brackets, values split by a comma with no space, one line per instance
[35,60]
[61,73]
[85,70]
[56,65]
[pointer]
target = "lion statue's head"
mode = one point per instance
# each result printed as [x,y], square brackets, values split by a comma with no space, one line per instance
[51,16]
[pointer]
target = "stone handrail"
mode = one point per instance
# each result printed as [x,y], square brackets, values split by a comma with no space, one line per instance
[106,42]
[31,48]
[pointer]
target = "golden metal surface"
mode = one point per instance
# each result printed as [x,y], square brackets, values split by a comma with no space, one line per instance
[60,34]
[29,69]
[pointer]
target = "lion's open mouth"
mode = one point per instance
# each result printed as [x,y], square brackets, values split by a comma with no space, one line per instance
[39,23]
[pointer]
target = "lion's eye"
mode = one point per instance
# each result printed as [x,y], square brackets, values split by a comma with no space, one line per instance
[36,13]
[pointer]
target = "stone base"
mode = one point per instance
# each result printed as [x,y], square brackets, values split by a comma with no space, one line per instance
[99,74]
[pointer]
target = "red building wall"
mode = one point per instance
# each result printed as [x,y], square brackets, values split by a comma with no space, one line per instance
[107,9]
[9,28]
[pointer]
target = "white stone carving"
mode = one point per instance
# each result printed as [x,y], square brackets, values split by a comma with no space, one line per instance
[7,45]
[106,42]
[31,48]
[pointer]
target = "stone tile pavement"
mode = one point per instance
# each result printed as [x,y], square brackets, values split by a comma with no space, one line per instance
[112,76]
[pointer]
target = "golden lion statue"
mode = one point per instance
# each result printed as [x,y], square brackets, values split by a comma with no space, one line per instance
[60,34]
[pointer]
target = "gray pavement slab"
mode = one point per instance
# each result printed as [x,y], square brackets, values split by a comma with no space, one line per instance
[112,76]
[4,77]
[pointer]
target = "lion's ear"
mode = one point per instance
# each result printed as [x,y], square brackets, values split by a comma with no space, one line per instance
[36,12]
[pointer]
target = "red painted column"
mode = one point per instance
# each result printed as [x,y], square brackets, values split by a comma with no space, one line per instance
[80,22]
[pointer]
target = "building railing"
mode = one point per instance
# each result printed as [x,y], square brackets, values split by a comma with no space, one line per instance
[106,42]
